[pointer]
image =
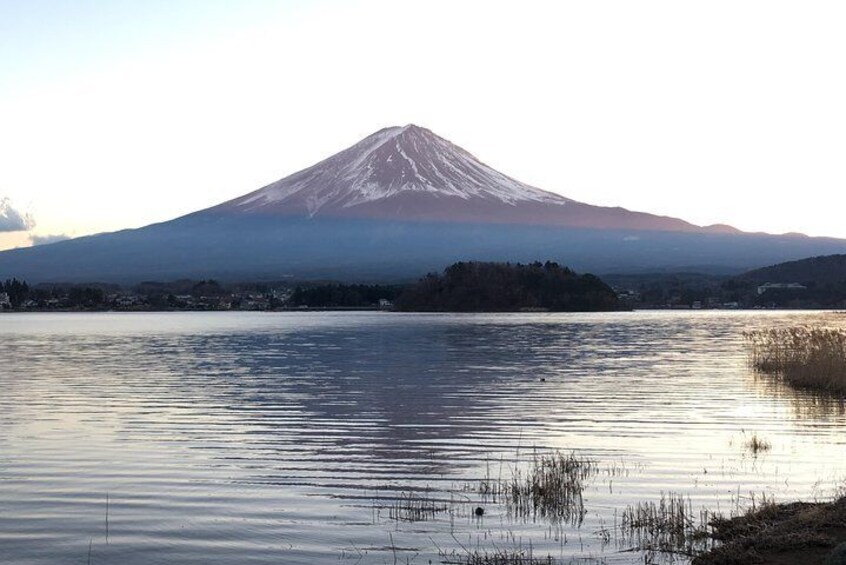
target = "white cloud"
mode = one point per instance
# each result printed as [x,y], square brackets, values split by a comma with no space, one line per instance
[12,219]
[45,239]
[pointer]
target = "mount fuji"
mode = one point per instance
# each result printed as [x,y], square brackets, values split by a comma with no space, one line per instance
[399,203]
[410,173]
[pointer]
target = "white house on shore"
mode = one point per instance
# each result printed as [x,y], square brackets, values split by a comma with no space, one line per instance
[780,286]
[5,303]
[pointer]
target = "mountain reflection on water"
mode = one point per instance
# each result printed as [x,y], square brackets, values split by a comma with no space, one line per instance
[274,438]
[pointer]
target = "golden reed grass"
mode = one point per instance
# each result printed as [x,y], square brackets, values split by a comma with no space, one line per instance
[812,358]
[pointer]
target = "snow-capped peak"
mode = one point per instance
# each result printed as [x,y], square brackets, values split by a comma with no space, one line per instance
[391,162]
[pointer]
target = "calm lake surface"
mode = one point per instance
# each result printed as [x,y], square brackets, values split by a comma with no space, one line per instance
[287,438]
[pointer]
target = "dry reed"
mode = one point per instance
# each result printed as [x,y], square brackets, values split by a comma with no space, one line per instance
[497,557]
[796,532]
[757,444]
[668,526]
[415,507]
[550,488]
[811,358]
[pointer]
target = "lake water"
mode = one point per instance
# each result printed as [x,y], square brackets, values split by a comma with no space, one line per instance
[287,438]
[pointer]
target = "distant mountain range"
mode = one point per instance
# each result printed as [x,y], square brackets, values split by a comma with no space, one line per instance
[400,203]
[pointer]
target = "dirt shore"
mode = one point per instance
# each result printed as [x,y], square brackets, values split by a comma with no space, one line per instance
[797,533]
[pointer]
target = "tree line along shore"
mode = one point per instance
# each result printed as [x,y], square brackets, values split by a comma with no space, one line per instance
[818,282]
[462,287]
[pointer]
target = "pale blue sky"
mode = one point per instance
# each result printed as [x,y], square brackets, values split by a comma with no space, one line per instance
[117,114]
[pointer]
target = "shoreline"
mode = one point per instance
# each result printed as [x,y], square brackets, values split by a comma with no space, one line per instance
[390,310]
[789,533]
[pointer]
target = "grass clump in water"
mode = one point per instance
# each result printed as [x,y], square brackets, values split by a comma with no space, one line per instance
[666,526]
[552,487]
[414,507]
[811,358]
[757,444]
[497,557]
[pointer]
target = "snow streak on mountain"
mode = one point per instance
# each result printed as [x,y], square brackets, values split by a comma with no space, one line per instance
[392,162]
[410,174]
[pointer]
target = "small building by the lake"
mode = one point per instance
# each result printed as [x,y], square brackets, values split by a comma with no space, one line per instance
[780,286]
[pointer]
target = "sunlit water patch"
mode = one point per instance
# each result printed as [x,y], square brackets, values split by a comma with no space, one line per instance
[389,438]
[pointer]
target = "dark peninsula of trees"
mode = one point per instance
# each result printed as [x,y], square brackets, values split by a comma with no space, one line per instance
[506,287]
[342,295]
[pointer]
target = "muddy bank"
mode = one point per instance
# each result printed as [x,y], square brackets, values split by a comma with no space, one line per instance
[797,533]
